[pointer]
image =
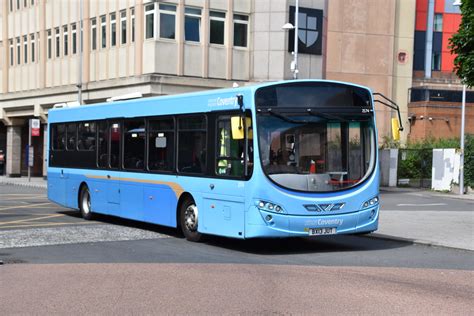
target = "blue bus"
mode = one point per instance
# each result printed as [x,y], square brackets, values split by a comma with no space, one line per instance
[290,158]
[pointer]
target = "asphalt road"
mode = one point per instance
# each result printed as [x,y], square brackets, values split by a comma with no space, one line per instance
[55,262]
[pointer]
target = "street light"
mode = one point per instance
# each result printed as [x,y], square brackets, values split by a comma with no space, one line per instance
[463,119]
[287,27]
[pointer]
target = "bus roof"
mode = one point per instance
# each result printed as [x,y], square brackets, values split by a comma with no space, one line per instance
[202,101]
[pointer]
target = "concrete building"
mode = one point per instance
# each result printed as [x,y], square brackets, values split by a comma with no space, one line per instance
[161,47]
[152,47]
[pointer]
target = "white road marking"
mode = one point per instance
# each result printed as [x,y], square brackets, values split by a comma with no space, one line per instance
[426,204]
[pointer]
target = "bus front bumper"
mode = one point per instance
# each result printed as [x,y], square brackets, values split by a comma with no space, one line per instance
[267,224]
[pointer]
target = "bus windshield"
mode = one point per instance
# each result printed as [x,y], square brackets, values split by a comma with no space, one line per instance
[314,149]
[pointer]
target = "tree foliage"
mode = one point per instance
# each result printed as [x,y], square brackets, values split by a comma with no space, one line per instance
[462,44]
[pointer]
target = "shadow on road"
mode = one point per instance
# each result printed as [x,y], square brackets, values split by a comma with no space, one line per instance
[267,246]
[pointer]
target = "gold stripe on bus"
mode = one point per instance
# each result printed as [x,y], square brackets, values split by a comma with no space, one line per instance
[177,189]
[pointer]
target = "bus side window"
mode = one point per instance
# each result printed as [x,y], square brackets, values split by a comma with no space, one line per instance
[103,145]
[134,144]
[192,144]
[58,136]
[71,134]
[229,151]
[161,145]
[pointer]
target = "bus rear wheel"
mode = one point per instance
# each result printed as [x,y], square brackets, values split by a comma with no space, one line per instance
[189,220]
[85,203]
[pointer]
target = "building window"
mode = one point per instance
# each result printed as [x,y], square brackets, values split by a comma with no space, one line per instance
[57,42]
[241,23]
[217,27]
[32,40]
[38,39]
[438,22]
[436,61]
[132,14]
[103,27]
[18,4]
[25,3]
[11,52]
[11,5]
[149,21]
[192,24]
[25,48]
[18,54]
[32,2]
[65,37]
[167,21]
[49,44]
[113,30]
[94,34]
[74,38]
[123,27]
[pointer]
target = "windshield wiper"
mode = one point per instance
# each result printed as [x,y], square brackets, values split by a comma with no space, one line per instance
[326,115]
[286,118]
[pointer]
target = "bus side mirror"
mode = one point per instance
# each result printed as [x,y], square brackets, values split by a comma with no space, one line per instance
[237,126]
[395,129]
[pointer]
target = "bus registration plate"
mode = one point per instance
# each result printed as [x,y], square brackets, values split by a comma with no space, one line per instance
[322,231]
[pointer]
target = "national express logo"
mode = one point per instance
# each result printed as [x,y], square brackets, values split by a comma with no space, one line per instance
[310,31]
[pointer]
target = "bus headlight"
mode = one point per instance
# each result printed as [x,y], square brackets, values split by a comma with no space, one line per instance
[269,207]
[372,202]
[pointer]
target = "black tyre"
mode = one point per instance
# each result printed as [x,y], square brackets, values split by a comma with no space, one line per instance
[188,218]
[85,203]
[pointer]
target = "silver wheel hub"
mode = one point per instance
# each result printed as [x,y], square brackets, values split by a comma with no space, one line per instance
[86,202]
[191,217]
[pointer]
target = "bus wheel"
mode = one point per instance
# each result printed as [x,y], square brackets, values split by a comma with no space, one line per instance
[189,220]
[85,203]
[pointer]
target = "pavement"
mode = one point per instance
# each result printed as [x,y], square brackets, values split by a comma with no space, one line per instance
[426,217]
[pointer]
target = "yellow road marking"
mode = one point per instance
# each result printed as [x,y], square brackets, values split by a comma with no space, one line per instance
[23,206]
[49,224]
[30,219]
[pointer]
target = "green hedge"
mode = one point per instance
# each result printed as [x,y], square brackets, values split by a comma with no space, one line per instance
[413,166]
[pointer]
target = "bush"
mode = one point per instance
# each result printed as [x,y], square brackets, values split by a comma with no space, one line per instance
[418,159]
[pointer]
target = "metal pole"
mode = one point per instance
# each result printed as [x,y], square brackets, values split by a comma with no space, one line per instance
[79,70]
[28,153]
[461,162]
[295,57]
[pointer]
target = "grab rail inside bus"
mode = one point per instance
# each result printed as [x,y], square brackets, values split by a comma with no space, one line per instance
[389,103]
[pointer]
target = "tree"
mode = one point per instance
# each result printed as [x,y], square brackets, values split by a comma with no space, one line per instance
[462,44]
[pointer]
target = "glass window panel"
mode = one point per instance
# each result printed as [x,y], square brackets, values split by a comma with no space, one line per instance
[115,140]
[167,25]
[59,136]
[192,28]
[217,32]
[240,34]
[134,145]
[86,135]
[192,123]
[71,137]
[149,25]
[103,148]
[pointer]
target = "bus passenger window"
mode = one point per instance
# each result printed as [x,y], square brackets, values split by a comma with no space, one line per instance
[192,144]
[58,136]
[86,136]
[71,135]
[134,145]
[114,154]
[230,151]
[161,145]
[103,147]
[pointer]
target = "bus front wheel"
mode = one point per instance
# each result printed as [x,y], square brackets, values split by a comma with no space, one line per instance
[189,220]
[85,203]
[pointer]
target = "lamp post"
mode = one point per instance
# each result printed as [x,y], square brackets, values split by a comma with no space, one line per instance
[457,3]
[289,26]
